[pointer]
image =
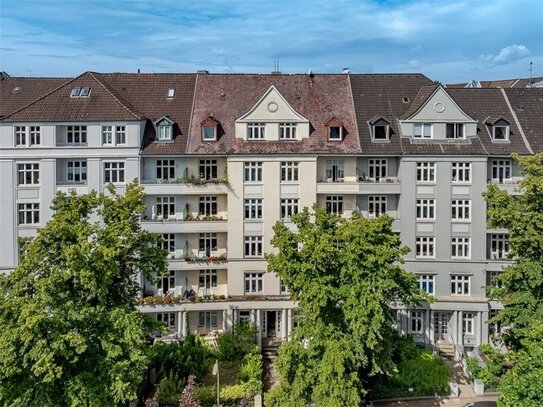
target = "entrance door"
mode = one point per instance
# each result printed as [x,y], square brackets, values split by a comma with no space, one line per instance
[271,322]
[441,325]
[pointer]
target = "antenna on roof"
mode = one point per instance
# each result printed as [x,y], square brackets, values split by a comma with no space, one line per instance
[531,81]
[139,70]
[276,70]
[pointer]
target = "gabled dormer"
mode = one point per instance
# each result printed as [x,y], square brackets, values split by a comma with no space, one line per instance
[499,128]
[436,116]
[380,128]
[335,129]
[272,118]
[164,129]
[210,128]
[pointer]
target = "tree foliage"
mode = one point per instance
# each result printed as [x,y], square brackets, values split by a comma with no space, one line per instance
[344,275]
[71,334]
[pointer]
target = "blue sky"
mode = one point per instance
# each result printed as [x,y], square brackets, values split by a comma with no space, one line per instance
[450,41]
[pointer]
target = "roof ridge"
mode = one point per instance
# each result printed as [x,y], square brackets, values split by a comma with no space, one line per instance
[113,92]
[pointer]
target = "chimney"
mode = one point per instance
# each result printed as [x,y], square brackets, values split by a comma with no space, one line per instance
[276,70]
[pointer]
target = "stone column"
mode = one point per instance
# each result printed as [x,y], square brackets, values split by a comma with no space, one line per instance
[427,326]
[454,332]
[478,328]
[224,320]
[460,340]
[431,327]
[284,332]
[253,317]
[290,324]
[232,319]
[259,327]
[180,324]
[484,327]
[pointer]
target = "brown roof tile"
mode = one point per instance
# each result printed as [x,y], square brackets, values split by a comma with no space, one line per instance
[528,106]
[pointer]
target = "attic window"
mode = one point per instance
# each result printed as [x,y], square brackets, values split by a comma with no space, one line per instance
[405,100]
[209,129]
[380,131]
[455,131]
[85,92]
[17,89]
[335,129]
[75,92]
[500,132]
[78,92]
[171,92]
[164,130]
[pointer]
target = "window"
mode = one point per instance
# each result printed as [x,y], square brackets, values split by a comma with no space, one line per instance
[427,283]
[460,247]
[460,209]
[380,131]
[253,209]
[425,247]
[289,207]
[496,327]
[461,172]
[207,279]
[499,246]
[334,205]
[107,134]
[287,131]
[289,171]
[426,172]
[169,242]
[165,170]
[20,136]
[501,171]
[377,169]
[335,133]
[377,205]
[425,209]
[35,135]
[167,318]
[460,285]
[422,130]
[252,171]
[171,93]
[166,283]
[256,131]
[164,130]
[76,135]
[416,322]
[491,279]
[208,205]
[76,172]
[455,130]
[283,288]
[208,169]
[253,283]
[28,174]
[209,133]
[165,206]
[207,319]
[253,246]
[29,213]
[468,323]
[114,172]
[500,132]
[85,92]
[335,170]
[75,92]
[208,243]
[120,134]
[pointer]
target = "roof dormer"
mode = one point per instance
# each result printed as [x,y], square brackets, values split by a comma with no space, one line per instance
[209,129]
[380,128]
[164,129]
[499,127]
[335,129]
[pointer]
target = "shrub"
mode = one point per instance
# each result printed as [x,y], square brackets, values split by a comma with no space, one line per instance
[229,395]
[251,371]
[236,344]
[169,390]
[473,368]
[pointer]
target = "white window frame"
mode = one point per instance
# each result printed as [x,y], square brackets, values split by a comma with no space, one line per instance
[116,168]
[290,171]
[423,131]
[461,173]
[339,136]
[468,323]
[28,213]
[253,246]
[506,129]
[207,319]
[427,283]
[208,243]
[461,210]
[460,284]
[499,246]
[425,247]
[169,242]
[256,131]
[426,209]
[27,136]
[21,136]
[253,208]
[377,205]
[120,135]
[387,132]
[377,168]
[460,247]
[283,288]
[165,206]
[459,131]
[167,318]
[165,169]
[416,324]
[208,169]
[77,132]
[76,171]
[164,132]
[335,170]
[426,172]
[253,283]
[205,134]
[107,135]
[288,131]
[208,206]
[501,171]
[35,135]
[289,207]
[252,171]
[207,279]
[335,204]
[28,174]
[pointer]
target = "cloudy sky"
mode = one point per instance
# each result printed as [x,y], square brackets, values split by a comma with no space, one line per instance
[450,41]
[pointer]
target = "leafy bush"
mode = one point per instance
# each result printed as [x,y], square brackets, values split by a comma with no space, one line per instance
[251,371]
[229,395]
[496,366]
[473,368]
[236,344]
[169,389]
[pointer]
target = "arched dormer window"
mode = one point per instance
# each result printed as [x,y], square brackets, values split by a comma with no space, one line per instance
[380,128]
[164,129]
[335,129]
[209,129]
[499,127]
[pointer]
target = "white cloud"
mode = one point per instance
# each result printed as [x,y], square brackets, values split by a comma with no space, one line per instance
[509,54]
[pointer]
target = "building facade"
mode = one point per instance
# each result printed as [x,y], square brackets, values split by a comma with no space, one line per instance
[223,157]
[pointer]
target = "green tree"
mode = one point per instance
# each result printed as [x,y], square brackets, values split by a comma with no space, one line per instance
[344,275]
[520,287]
[71,334]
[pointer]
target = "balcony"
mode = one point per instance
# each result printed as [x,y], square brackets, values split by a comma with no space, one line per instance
[68,187]
[388,185]
[184,224]
[509,185]
[186,186]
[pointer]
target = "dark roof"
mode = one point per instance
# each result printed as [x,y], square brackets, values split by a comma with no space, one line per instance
[319,98]
[16,92]
[528,106]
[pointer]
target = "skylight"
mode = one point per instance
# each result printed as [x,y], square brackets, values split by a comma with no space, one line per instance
[17,89]
[171,92]
[75,92]
[85,92]
[79,92]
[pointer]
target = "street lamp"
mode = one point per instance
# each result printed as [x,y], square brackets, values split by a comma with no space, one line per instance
[216,373]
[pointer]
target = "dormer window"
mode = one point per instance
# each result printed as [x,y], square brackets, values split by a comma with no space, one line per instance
[335,129]
[500,128]
[256,131]
[422,130]
[209,129]
[287,131]
[380,129]
[164,130]
[455,131]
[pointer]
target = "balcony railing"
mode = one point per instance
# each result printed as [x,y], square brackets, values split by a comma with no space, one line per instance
[75,183]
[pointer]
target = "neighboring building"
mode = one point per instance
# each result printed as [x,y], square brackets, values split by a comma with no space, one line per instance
[535,82]
[224,156]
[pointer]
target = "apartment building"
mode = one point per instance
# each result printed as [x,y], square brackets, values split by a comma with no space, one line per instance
[223,157]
